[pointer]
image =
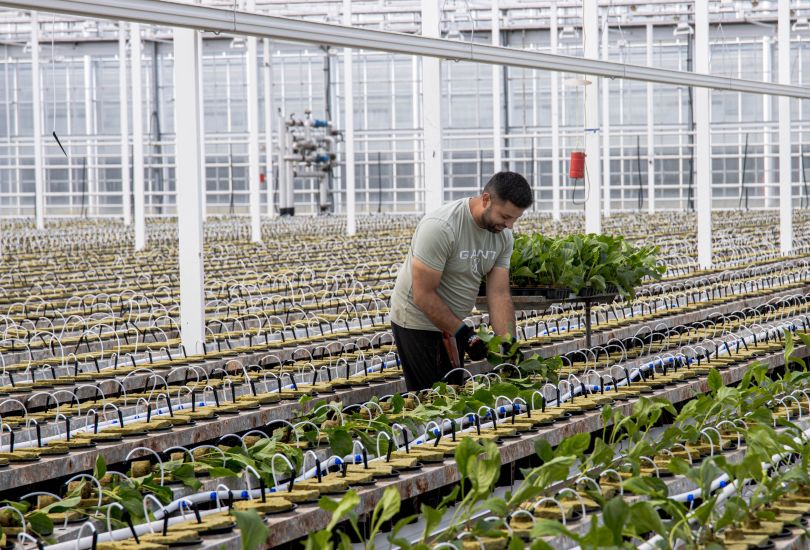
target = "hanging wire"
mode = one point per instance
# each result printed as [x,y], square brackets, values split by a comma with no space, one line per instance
[53,85]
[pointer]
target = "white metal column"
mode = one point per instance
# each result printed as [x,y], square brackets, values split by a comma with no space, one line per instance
[203,171]
[137,134]
[497,71]
[703,138]
[593,171]
[432,112]
[268,125]
[36,99]
[767,118]
[416,120]
[348,121]
[90,132]
[189,190]
[650,123]
[555,121]
[123,115]
[785,164]
[606,210]
[252,82]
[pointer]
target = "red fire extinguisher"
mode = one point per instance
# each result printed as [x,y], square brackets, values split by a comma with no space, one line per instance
[576,168]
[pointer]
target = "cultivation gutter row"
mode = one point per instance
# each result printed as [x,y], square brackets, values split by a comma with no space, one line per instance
[114,453]
[22,356]
[254,419]
[47,468]
[677,484]
[601,336]
[308,518]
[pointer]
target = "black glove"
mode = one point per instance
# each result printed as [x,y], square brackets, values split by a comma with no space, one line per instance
[471,343]
[506,348]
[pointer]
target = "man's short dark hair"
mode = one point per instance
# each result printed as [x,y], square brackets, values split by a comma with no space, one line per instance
[512,187]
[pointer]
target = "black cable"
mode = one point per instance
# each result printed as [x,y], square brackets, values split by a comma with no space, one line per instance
[585,187]
[59,143]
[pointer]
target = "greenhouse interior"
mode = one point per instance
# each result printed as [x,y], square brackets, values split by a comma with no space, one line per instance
[417,274]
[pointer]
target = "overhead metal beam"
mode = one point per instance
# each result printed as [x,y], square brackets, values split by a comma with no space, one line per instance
[163,13]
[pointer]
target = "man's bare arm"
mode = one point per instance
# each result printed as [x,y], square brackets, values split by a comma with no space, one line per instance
[499,300]
[425,281]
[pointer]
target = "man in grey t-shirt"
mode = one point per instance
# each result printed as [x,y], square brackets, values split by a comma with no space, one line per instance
[453,249]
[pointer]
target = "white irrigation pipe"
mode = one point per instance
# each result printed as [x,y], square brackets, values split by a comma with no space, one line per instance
[256,493]
[32,443]
[635,372]
[728,489]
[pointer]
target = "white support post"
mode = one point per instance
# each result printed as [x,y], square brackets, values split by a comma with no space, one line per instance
[123,115]
[767,118]
[203,170]
[703,139]
[606,206]
[36,99]
[348,131]
[593,171]
[650,128]
[137,135]
[555,121]
[785,162]
[497,70]
[268,125]
[252,83]
[189,190]
[416,120]
[90,133]
[432,112]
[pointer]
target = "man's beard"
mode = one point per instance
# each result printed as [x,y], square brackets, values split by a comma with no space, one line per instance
[488,225]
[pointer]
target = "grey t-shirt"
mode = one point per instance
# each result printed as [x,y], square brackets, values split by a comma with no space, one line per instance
[449,240]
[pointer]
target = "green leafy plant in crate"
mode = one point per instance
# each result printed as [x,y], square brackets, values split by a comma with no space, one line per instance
[582,261]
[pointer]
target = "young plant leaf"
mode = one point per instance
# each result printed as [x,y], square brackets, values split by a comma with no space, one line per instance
[253,529]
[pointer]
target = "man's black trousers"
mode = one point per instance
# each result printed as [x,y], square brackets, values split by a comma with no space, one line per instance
[424,358]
